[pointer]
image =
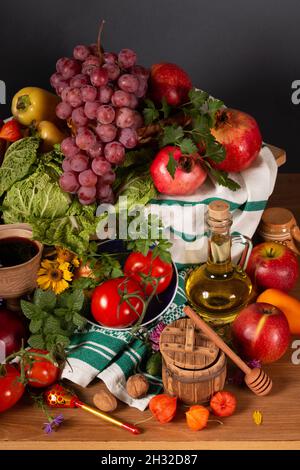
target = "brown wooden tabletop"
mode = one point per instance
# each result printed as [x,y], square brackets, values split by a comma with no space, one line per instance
[21,427]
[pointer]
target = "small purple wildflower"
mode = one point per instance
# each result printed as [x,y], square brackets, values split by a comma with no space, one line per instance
[254,363]
[155,335]
[53,423]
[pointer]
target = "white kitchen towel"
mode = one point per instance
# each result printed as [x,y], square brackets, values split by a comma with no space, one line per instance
[183,217]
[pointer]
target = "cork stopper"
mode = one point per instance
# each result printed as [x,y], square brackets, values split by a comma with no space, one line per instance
[219,210]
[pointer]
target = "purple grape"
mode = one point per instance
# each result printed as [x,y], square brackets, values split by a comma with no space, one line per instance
[99,76]
[121,98]
[55,79]
[91,109]
[62,85]
[78,117]
[128,82]
[142,88]
[80,162]
[96,150]
[68,147]
[81,52]
[104,94]
[66,164]
[140,71]
[128,137]
[64,93]
[94,49]
[85,139]
[87,178]
[108,178]
[113,71]
[133,101]
[127,58]
[63,110]
[114,152]
[87,195]
[100,166]
[105,193]
[138,121]
[110,57]
[74,97]
[89,64]
[68,182]
[69,68]
[124,117]
[88,93]
[60,64]
[106,132]
[79,80]
[105,114]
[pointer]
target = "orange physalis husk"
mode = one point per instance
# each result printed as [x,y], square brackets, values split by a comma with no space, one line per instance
[197,417]
[163,407]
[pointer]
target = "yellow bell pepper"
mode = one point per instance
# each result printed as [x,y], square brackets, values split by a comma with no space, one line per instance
[50,135]
[32,105]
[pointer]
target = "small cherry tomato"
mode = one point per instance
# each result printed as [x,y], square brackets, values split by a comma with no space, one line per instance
[117,303]
[11,389]
[159,272]
[223,403]
[42,372]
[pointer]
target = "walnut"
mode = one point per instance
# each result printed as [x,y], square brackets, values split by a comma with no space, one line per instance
[105,401]
[137,386]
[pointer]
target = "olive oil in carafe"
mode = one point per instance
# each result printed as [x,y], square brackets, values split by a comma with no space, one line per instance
[218,289]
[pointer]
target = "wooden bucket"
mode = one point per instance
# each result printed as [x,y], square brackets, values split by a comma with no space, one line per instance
[193,366]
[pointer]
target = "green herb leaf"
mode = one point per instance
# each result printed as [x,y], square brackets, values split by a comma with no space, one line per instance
[35,325]
[197,97]
[162,249]
[76,300]
[150,112]
[78,320]
[36,341]
[138,156]
[171,135]
[187,147]
[165,108]
[45,300]
[172,165]
[30,310]
[214,150]
[51,325]
[222,178]
[62,340]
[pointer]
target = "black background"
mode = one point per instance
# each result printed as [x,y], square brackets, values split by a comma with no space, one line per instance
[244,52]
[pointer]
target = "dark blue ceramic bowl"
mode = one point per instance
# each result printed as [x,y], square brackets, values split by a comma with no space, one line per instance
[159,304]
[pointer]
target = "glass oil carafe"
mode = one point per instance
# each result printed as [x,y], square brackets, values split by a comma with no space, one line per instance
[218,289]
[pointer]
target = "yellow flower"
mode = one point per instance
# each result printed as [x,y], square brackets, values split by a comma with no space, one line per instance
[64,255]
[53,275]
[257,417]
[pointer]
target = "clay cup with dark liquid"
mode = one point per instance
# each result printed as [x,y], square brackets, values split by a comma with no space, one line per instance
[20,258]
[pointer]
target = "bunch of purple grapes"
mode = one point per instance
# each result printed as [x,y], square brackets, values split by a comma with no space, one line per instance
[100,99]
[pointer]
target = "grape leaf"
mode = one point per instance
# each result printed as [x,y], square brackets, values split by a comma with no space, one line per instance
[172,165]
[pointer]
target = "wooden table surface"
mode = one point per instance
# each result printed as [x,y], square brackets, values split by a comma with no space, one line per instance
[21,427]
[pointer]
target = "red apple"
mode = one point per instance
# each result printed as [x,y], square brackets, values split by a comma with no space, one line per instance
[170,82]
[240,135]
[188,176]
[274,266]
[261,331]
[12,330]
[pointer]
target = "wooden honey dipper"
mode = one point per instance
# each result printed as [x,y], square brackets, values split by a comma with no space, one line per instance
[256,379]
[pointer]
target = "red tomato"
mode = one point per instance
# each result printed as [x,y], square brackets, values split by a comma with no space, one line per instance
[160,271]
[223,403]
[11,389]
[42,372]
[110,309]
